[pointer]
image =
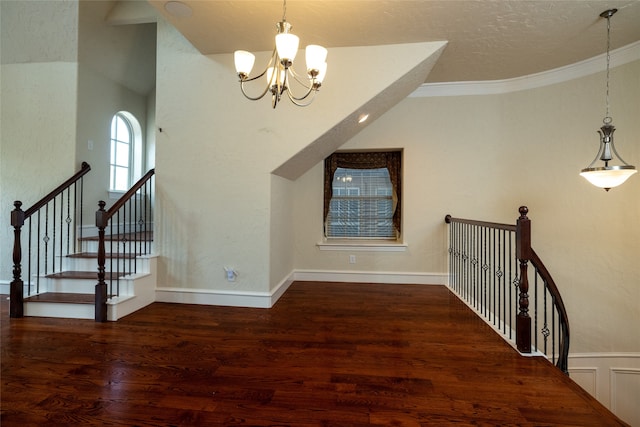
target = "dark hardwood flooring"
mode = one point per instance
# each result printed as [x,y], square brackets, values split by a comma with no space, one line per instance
[328,354]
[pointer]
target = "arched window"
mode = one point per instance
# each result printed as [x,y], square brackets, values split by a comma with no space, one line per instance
[125,163]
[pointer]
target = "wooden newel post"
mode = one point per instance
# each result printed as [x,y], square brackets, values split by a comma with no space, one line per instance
[16,288]
[101,287]
[523,253]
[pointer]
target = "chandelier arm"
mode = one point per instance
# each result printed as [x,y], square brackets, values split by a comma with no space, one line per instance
[298,78]
[290,93]
[251,97]
[598,155]
[297,102]
[299,98]
[615,152]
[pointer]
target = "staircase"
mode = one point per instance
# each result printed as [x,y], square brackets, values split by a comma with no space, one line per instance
[70,293]
[74,270]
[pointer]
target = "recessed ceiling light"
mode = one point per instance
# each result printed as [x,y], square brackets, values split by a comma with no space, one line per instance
[178,9]
[363,118]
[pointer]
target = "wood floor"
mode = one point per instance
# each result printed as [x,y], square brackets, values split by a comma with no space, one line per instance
[328,354]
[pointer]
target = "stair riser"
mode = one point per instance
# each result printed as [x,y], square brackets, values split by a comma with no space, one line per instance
[67,311]
[84,286]
[91,264]
[137,247]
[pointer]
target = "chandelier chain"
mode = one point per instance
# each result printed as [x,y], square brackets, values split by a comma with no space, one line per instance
[607,116]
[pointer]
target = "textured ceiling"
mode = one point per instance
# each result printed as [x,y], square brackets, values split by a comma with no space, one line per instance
[488,40]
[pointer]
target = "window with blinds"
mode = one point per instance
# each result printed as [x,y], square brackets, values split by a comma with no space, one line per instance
[361,205]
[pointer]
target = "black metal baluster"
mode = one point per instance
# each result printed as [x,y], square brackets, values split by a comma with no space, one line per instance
[131,238]
[46,238]
[554,329]
[81,205]
[38,243]
[29,258]
[53,240]
[535,308]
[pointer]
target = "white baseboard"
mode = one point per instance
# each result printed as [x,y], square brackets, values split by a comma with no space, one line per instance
[371,277]
[612,378]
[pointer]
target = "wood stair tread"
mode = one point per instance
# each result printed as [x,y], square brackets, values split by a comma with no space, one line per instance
[85,275]
[140,236]
[108,255]
[62,297]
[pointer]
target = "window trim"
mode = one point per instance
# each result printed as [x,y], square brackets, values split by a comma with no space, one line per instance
[360,245]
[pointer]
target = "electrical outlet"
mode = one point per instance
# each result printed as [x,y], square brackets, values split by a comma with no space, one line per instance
[352,259]
[231,274]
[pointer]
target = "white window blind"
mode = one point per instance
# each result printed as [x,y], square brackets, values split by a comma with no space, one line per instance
[361,205]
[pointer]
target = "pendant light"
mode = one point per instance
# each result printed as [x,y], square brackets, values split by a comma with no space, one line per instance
[607,175]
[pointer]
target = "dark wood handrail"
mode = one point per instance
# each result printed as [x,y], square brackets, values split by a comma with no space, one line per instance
[563,355]
[85,168]
[129,194]
[508,227]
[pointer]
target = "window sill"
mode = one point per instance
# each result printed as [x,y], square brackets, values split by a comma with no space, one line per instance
[363,246]
[115,195]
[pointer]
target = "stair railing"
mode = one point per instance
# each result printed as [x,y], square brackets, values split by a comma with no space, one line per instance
[128,228]
[490,266]
[54,225]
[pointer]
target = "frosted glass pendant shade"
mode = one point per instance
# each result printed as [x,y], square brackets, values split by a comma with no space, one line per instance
[287,46]
[244,61]
[315,56]
[608,177]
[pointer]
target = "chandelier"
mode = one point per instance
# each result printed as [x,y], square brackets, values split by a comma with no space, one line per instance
[607,175]
[279,73]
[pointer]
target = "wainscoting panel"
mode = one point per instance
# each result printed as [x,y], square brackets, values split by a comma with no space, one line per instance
[612,378]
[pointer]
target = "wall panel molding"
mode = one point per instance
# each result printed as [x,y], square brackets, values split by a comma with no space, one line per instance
[612,378]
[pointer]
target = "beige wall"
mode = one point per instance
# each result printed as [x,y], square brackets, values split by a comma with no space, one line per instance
[482,157]
[37,139]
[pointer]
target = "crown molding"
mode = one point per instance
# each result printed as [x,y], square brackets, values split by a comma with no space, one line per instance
[620,56]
